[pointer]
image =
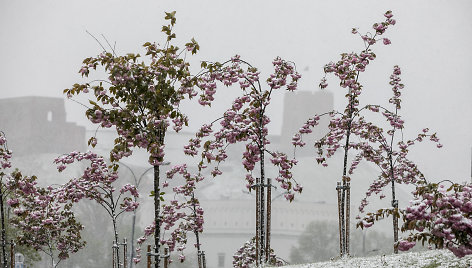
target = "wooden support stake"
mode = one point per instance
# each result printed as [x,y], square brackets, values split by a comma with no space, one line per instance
[269,210]
[262,222]
[12,254]
[125,251]
[258,222]
[203,259]
[199,258]
[113,261]
[348,216]
[149,256]
[338,189]
[395,226]
[166,257]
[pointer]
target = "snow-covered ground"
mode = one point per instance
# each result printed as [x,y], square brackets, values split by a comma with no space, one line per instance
[426,259]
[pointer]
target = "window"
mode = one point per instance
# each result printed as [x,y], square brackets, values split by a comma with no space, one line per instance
[221,260]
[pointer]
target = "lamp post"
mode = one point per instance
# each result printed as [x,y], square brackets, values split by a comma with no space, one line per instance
[137,182]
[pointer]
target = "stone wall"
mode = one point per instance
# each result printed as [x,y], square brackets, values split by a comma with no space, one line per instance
[35,125]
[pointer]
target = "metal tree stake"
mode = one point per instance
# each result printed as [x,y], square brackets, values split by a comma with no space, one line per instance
[12,254]
[269,210]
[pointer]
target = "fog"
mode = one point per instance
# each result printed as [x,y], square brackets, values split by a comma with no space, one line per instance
[44,42]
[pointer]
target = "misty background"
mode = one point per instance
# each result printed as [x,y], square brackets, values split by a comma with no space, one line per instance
[43,43]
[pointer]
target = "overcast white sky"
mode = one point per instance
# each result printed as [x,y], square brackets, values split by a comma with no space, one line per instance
[42,44]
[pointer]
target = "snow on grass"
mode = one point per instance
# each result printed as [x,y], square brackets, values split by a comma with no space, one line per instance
[425,259]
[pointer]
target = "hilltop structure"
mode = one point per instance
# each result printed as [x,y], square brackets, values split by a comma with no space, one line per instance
[35,125]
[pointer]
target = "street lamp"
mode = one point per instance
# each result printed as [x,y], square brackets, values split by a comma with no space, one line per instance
[137,182]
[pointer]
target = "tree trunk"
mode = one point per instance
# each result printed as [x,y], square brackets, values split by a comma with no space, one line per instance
[116,247]
[157,201]
[197,237]
[344,213]
[133,225]
[157,219]
[395,210]
[394,201]
[395,227]
[262,208]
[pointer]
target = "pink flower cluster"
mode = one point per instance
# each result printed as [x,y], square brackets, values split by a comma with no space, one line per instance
[232,72]
[5,154]
[379,28]
[440,216]
[96,183]
[279,78]
[245,257]
[285,177]
[351,64]
[245,121]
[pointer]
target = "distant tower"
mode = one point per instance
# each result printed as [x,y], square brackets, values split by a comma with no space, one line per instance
[298,107]
[35,125]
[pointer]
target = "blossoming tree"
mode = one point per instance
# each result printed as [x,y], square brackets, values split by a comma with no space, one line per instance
[46,224]
[246,122]
[344,124]
[390,153]
[96,183]
[139,99]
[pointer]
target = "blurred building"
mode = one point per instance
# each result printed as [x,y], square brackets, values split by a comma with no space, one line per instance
[34,125]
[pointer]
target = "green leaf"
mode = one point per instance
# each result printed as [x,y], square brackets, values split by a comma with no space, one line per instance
[170,15]
[170,37]
[166,29]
